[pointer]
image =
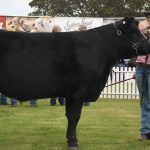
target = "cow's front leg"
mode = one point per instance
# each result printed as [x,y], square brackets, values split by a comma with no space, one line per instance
[73,112]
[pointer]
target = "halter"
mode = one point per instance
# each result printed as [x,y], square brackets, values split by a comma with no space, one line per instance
[135,45]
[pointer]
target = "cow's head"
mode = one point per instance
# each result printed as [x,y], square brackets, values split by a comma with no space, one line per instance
[127,30]
[14,23]
[18,24]
[43,25]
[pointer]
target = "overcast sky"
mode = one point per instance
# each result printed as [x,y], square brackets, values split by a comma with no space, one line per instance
[15,7]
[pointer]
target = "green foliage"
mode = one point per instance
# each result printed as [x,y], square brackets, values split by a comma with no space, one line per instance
[104,125]
[90,8]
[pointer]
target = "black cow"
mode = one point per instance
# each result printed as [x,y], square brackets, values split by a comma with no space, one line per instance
[77,64]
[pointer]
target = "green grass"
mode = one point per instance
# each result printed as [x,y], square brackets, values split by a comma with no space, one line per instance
[105,125]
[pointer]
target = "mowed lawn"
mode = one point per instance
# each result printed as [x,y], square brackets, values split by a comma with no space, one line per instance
[104,125]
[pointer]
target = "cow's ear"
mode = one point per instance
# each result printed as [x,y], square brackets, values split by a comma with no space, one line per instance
[128,20]
[125,24]
[131,24]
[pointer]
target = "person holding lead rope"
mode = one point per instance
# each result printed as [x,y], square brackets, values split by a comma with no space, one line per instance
[142,76]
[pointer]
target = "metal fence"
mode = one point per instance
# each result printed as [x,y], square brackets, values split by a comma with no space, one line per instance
[123,90]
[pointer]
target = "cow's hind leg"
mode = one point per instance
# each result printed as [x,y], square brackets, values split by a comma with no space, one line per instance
[73,112]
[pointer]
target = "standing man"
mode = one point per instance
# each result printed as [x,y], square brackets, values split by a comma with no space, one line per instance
[143,82]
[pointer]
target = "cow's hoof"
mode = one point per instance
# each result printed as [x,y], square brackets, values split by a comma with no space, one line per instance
[72,148]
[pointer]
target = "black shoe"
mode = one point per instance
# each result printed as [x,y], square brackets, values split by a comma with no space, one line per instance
[62,104]
[53,104]
[145,136]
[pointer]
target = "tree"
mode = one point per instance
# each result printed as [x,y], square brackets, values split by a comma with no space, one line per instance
[90,8]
